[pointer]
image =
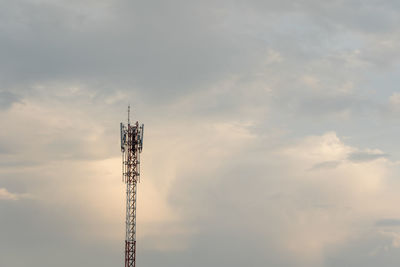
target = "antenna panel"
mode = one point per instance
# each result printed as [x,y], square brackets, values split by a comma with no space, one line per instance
[122,133]
[141,136]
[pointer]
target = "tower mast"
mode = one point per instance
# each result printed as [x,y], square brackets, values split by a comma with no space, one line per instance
[131,147]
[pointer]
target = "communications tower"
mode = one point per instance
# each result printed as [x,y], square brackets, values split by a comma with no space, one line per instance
[131,147]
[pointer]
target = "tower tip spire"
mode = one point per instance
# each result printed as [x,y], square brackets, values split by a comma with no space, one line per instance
[129,111]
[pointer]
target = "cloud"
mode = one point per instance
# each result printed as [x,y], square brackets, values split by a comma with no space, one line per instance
[7,99]
[260,121]
[370,249]
[78,42]
[394,102]
[182,199]
[6,195]
[326,165]
[359,156]
[244,193]
[388,222]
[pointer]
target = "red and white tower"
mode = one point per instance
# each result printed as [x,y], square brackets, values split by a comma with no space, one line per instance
[131,147]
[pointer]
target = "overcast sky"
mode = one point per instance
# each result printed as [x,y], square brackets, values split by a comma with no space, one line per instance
[271,132]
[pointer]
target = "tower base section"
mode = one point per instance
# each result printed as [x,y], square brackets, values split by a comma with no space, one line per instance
[130,253]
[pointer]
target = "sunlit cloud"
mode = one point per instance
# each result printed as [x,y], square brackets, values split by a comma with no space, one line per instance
[6,195]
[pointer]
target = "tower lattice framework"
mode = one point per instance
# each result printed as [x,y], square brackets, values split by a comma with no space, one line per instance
[131,147]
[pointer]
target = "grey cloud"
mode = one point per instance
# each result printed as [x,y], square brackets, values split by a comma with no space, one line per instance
[326,165]
[7,99]
[153,47]
[388,222]
[327,105]
[161,51]
[372,249]
[45,237]
[220,248]
[363,156]
[368,16]
[242,194]
[237,195]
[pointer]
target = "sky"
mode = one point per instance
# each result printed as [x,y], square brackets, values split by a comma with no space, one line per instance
[271,132]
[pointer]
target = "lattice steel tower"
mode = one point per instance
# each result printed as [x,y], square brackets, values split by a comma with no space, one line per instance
[131,146]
